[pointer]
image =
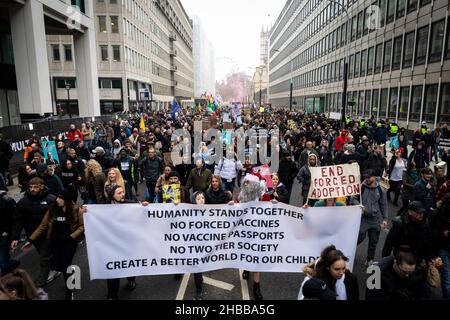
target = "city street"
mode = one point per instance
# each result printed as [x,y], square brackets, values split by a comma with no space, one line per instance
[219,285]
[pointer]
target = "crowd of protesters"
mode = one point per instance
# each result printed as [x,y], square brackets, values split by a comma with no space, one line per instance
[106,162]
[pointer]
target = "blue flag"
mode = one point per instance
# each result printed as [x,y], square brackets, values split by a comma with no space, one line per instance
[174,109]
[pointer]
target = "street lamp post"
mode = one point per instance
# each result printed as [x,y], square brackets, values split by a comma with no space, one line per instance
[68,87]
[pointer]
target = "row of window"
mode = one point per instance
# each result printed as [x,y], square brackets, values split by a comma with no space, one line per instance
[103,83]
[104,53]
[56,52]
[160,71]
[352,30]
[402,51]
[113,24]
[397,103]
[162,89]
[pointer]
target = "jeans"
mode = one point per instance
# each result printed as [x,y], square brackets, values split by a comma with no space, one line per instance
[396,187]
[88,144]
[151,191]
[371,226]
[228,186]
[6,263]
[43,247]
[445,273]
[113,287]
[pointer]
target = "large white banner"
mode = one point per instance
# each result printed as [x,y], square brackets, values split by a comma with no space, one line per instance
[131,240]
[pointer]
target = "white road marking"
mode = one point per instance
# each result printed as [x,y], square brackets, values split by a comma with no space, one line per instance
[183,286]
[218,283]
[244,286]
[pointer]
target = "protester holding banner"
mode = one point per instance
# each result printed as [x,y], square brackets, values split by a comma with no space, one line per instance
[216,194]
[304,176]
[375,213]
[173,192]
[199,178]
[278,190]
[63,227]
[117,196]
[115,178]
[31,210]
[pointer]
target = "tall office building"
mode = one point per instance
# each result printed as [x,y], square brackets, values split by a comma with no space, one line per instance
[399,64]
[144,53]
[204,61]
[25,90]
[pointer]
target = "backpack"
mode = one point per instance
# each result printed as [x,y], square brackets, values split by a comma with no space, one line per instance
[380,191]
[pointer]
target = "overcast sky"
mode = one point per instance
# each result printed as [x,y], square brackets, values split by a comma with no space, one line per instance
[234,27]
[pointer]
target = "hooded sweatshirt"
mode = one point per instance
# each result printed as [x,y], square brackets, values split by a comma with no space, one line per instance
[304,175]
[374,201]
[116,151]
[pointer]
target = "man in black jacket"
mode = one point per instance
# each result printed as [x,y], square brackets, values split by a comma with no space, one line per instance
[29,214]
[287,171]
[411,229]
[7,209]
[377,161]
[440,226]
[152,167]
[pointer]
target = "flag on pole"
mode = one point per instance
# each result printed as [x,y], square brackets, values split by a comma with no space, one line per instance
[199,108]
[174,109]
[142,123]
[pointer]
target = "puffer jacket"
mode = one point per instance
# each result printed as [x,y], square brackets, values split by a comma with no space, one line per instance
[227,169]
[30,212]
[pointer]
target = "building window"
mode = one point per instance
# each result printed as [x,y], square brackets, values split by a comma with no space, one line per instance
[430,107]
[351,66]
[112,1]
[382,5]
[445,103]
[360,24]
[416,103]
[341,69]
[437,41]
[68,52]
[404,103]
[370,60]
[114,24]
[409,50]
[424,2]
[366,18]
[390,11]
[354,28]
[363,63]
[375,101]
[378,58]
[383,103]
[412,5]
[357,64]
[397,56]
[104,53]
[366,111]
[116,53]
[102,24]
[393,103]
[421,45]
[401,8]
[360,109]
[343,34]
[387,56]
[55,50]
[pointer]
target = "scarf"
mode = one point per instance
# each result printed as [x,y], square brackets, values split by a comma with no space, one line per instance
[341,292]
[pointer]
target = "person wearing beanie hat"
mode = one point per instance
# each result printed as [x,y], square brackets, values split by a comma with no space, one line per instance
[63,227]
[173,192]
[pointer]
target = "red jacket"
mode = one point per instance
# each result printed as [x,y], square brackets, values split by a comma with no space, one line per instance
[340,141]
[71,135]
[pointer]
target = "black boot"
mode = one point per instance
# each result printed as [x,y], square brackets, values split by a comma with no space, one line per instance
[245,274]
[257,291]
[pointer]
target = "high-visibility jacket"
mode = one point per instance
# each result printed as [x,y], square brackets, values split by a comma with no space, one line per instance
[394,128]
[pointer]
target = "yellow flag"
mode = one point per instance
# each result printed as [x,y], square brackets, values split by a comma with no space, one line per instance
[142,124]
[199,107]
